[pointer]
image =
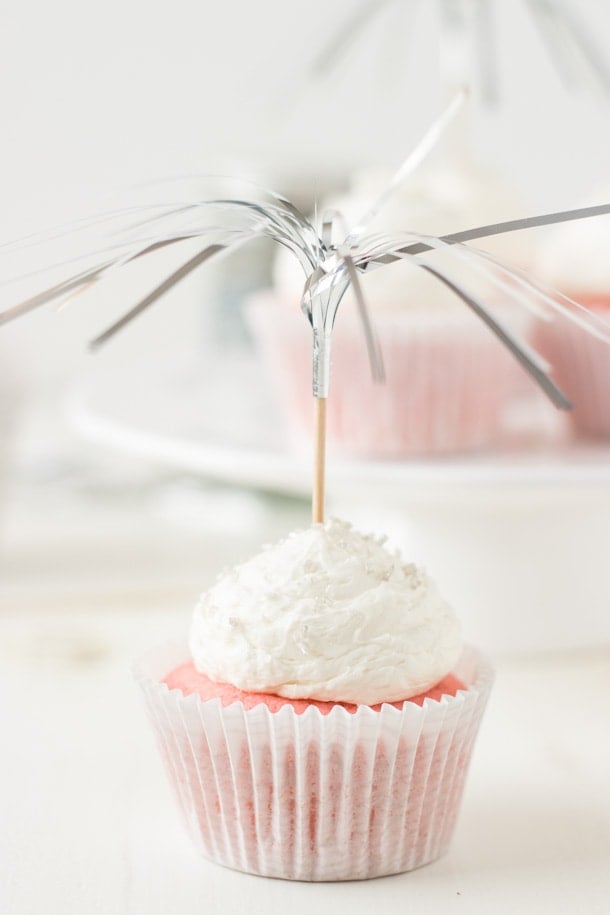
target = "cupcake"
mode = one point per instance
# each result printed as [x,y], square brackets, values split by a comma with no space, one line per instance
[448,385]
[574,260]
[319,725]
[447,382]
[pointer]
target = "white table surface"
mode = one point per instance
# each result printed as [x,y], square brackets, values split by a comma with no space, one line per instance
[89,826]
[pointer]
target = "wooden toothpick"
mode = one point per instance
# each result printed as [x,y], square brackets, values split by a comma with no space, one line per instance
[317,501]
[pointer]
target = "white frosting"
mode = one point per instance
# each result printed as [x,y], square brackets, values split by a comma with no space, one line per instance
[574,256]
[328,613]
[438,199]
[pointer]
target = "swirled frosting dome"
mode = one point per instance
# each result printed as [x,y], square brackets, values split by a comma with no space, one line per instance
[329,614]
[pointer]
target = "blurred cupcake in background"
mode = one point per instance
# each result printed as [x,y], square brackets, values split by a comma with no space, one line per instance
[448,383]
[574,259]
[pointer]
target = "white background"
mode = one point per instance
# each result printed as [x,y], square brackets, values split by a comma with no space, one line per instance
[102,556]
[97,99]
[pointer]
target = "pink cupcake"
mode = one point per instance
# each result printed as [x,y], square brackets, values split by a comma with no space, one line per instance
[449,385]
[321,727]
[575,260]
[448,382]
[581,366]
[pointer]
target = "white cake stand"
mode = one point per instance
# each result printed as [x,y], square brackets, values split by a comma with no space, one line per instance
[518,540]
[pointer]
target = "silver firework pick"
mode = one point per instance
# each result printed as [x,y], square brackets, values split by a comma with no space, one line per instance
[330,264]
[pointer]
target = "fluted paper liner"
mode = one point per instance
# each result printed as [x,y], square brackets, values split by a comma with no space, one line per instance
[311,796]
[581,363]
[447,384]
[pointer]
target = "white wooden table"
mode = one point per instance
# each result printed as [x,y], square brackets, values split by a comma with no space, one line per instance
[89,826]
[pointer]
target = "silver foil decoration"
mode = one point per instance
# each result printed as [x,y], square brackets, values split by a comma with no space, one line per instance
[468,24]
[330,264]
[577,57]
[329,267]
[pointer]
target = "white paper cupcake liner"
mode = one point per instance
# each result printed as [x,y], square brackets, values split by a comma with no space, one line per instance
[581,365]
[311,796]
[448,381]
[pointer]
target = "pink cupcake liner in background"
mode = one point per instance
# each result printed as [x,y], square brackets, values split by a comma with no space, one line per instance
[448,380]
[311,796]
[581,366]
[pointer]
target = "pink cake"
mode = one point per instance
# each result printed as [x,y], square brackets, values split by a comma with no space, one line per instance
[574,259]
[448,383]
[274,782]
[581,366]
[191,682]
[312,794]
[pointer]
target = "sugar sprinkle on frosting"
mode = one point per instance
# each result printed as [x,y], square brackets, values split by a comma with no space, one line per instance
[327,613]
